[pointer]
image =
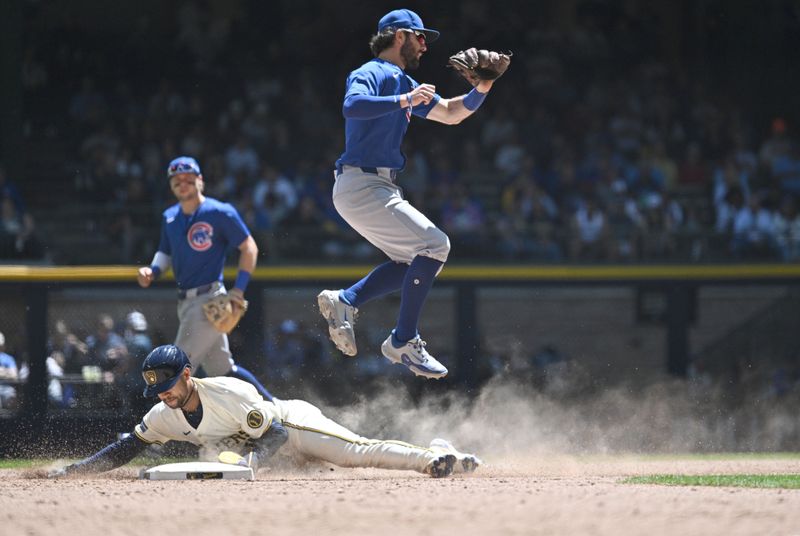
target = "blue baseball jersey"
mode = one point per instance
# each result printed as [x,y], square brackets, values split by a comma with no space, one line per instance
[7,361]
[376,142]
[199,243]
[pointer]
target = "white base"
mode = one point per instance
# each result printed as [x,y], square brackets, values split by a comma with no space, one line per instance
[197,471]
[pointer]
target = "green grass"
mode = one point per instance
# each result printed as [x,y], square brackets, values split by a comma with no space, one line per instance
[716,456]
[22,463]
[739,481]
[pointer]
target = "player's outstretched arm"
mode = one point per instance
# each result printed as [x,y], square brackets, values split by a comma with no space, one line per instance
[453,111]
[114,455]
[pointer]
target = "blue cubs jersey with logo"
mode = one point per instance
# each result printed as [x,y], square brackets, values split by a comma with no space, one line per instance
[376,142]
[199,243]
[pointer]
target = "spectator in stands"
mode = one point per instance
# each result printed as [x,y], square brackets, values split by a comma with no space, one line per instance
[777,145]
[286,353]
[89,105]
[464,220]
[305,232]
[726,209]
[509,157]
[729,175]
[787,229]
[107,349]
[70,354]
[415,176]
[128,375]
[18,237]
[242,157]
[498,129]
[8,372]
[664,165]
[68,349]
[693,174]
[9,190]
[258,220]
[442,171]
[275,192]
[754,230]
[55,374]
[658,237]
[527,226]
[589,232]
[786,171]
[299,355]
[637,108]
[626,227]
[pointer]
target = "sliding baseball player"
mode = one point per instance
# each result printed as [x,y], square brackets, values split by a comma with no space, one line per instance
[224,415]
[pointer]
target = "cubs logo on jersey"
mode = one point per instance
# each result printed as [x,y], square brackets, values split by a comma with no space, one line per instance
[200,235]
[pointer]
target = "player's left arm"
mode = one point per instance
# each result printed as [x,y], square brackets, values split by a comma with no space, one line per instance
[453,111]
[114,455]
[270,441]
[248,257]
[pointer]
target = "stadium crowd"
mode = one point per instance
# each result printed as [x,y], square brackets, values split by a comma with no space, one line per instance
[594,148]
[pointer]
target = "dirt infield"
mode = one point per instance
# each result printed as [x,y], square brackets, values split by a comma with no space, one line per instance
[527,495]
[552,468]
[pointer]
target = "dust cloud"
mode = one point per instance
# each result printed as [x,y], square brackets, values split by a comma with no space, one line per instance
[509,419]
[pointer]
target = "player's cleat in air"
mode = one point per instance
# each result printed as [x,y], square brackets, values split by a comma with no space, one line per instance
[413,355]
[341,319]
[465,463]
[441,466]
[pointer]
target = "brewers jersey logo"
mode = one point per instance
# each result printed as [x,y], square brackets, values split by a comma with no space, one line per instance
[199,236]
[255,419]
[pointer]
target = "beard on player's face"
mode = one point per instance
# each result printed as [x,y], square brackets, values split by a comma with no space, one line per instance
[409,54]
[178,396]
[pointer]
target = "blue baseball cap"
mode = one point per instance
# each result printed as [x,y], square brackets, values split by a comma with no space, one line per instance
[405,18]
[183,164]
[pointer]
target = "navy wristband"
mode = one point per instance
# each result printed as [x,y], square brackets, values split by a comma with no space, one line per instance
[474,99]
[242,279]
[156,271]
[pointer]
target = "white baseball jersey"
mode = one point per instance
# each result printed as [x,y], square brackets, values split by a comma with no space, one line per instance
[234,412]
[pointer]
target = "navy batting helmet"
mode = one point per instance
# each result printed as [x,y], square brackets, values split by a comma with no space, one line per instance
[162,367]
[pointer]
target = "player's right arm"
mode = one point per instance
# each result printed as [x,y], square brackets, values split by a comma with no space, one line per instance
[453,111]
[114,455]
[161,261]
[363,99]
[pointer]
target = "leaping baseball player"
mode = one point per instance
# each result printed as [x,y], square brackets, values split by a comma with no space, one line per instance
[196,236]
[223,414]
[379,100]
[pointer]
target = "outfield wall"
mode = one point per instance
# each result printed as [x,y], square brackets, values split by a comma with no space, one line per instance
[617,323]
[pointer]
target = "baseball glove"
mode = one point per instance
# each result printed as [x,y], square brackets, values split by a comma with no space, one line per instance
[222,314]
[478,65]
